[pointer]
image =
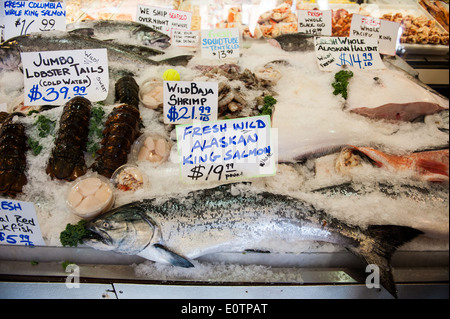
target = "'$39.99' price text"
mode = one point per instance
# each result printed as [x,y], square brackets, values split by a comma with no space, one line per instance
[52,95]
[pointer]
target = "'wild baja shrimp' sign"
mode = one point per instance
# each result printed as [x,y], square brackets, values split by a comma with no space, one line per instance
[186,101]
[226,150]
[54,77]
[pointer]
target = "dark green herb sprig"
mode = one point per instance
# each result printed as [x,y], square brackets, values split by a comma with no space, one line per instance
[45,126]
[340,83]
[268,106]
[74,234]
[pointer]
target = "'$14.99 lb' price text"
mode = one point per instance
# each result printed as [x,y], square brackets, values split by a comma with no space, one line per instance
[51,94]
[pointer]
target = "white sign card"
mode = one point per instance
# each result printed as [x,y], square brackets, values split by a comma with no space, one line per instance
[333,53]
[185,102]
[314,22]
[163,19]
[385,31]
[54,77]
[185,38]
[226,150]
[25,17]
[220,44]
[19,224]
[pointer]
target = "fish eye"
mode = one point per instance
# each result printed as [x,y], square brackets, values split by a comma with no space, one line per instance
[106,225]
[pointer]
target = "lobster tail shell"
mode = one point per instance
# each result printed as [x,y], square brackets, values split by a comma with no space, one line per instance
[127,91]
[67,158]
[13,162]
[122,128]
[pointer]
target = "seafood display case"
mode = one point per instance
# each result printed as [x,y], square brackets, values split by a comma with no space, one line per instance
[356,175]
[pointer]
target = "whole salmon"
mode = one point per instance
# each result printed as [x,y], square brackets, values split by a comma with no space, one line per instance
[222,219]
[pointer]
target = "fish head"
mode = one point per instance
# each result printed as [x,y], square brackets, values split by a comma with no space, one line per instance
[161,41]
[9,56]
[152,38]
[125,230]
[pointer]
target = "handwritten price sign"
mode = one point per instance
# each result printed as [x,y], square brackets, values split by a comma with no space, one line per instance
[54,77]
[335,52]
[226,150]
[185,102]
[19,224]
[25,17]
[220,43]
[162,19]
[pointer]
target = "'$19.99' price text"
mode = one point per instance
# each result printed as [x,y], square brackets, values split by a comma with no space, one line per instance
[51,94]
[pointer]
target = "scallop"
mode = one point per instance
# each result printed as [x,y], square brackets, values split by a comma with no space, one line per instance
[89,186]
[103,194]
[74,198]
[88,205]
[143,153]
[161,148]
[149,143]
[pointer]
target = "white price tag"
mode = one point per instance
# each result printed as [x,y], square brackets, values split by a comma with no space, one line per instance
[226,150]
[25,17]
[19,224]
[185,102]
[163,19]
[184,38]
[333,53]
[386,32]
[55,77]
[314,22]
[220,44]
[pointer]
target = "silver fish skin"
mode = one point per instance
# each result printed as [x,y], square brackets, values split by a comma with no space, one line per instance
[177,229]
[57,40]
[115,30]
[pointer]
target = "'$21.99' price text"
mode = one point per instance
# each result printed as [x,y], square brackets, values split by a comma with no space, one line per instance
[51,95]
[183,113]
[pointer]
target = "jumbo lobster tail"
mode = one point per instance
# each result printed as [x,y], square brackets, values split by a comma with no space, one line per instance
[67,157]
[13,162]
[122,127]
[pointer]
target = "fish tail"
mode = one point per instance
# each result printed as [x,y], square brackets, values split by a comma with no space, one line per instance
[433,166]
[181,60]
[385,239]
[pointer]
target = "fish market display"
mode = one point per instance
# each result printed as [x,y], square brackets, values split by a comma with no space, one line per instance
[13,163]
[122,31]
[362,155]
[207,221]
[67,159]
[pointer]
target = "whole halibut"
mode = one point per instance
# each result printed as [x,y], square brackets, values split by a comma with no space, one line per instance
[223,219]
